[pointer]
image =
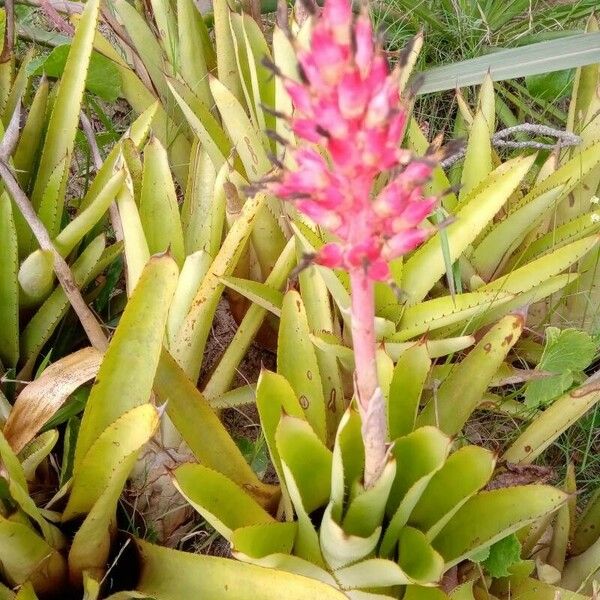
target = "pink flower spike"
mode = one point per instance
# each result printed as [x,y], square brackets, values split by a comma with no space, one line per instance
[330,255]
[352,95]
[363,37]
[348,102]
[404,242]
[337,14]
[414,214]
[417,173]
[379,270]
[300,96]
[320,215]
[305,128]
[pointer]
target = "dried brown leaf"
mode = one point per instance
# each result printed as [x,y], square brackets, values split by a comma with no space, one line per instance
[43,397]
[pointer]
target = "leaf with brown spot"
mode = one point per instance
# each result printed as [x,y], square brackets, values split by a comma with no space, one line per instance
[463,389]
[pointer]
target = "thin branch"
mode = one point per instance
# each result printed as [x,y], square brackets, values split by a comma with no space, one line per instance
[88,320]
[113,211]
[63,6]
[9,31]
[88,131]
[56,18]
[499,139]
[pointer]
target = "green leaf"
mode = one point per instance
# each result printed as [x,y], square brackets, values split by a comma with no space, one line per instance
[297,362]
[223,375]
[92,261]
[551,87]
[194,269]
[203,210]
[30,141]
[534,589]
[339,548]
[247,140]
[587,532]
[64,120]
[146,44]
[445,311]
[103,78]
[549,424]
[195,329]
[84,222]
[505,236]
[426,265]
[226,58]
[192,36]
[348,460]
[20,87]
[202,122]
[492,515]
[418,592]
[17,486]
[25,556]
[258,293]
[462,390]
[136,134]
[419,456]
[36,451]
[478,157]
[538,271]
[274,397]
[136,246]
[191,413]
[554,55]
[308,460]
[9,286]
[164,17]
[503,554]
[113,447]
[372,573]
[417,558]
[565,352]
[159,211]
[256,454]
[132,356]
[410,374]
[263,540]
[172,575]
[464,473]
[26,593]
[98,484]
[580,571]
[225,505]
[366,510]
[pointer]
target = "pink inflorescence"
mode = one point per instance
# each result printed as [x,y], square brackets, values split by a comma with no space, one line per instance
[347,103]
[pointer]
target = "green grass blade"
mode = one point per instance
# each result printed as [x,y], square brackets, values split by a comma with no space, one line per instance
[543,57]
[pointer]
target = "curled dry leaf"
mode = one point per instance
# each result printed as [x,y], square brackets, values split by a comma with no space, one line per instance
[43,397]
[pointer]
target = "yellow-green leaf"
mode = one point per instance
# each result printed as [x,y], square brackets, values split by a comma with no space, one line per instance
[171,575]
[9,286]
[491,516]
[297,362]
[427,265]
[225,505]
[461,391]
[132,356]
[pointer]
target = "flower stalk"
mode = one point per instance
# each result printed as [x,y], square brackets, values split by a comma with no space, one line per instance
[349,120]
[368,393]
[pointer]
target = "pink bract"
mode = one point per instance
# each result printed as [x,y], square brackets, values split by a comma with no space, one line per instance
[348,111]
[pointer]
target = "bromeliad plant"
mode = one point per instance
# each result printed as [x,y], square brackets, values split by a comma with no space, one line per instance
[350,105]
[370,516]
